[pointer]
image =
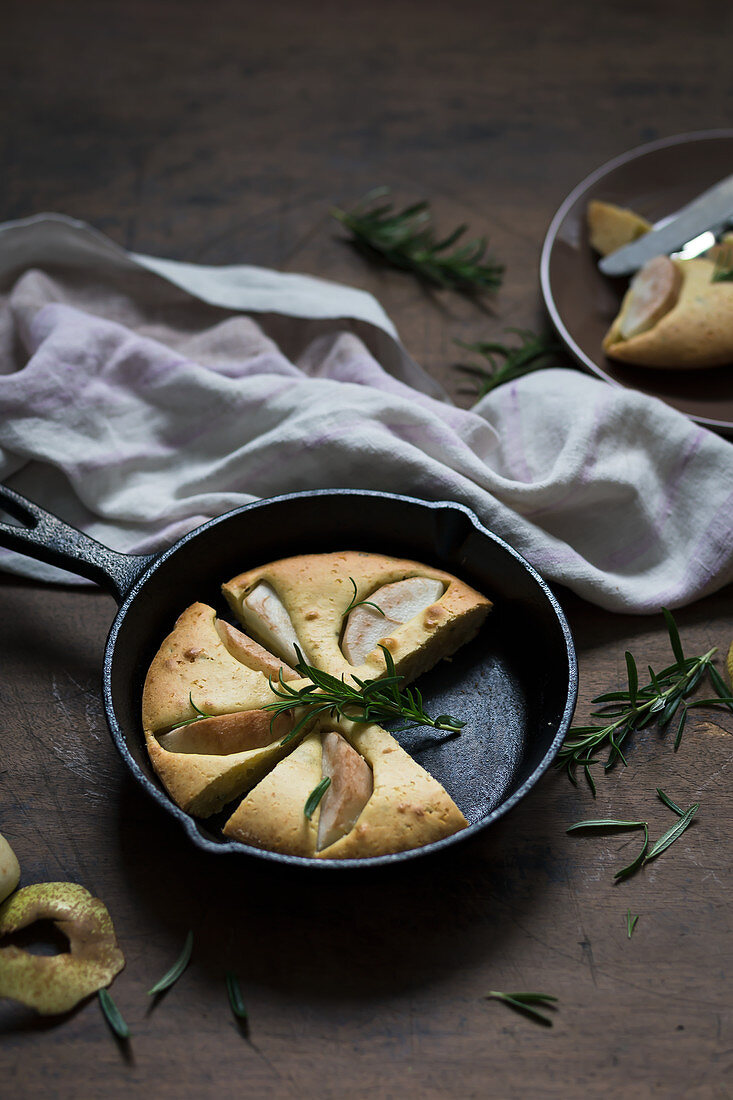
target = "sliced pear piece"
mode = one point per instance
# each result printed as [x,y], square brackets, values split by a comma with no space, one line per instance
[266,616]
[9,869]
[351,788]
[653,292]
[56,983]
[399,602]
[251,653]
[407,809]
[224,734]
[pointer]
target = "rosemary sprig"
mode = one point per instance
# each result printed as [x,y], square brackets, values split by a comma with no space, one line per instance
[406,239]
[315,797]
[723,269]
[113,1015]
[235,996]
[361,603]
[370,701]
[525,1002]
[506,363]
[196,718]
[663,698]
[176,970]
[630,923]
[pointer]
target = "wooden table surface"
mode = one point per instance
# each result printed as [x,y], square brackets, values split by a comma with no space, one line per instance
[224,132]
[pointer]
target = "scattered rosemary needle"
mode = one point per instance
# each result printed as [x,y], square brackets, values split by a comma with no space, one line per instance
[361,603]
[235,996]
[613,823]
[406,239]
[506,363]
[670,804]
[176,970]
[315,797]
[113,1015]
[674,833]
[630,923]
[623,712]
[370,701]
[525,1002]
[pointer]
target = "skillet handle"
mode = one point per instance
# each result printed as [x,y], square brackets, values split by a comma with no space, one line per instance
[47,538]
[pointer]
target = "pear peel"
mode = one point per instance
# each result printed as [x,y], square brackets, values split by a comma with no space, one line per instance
[56,983]
[9,869]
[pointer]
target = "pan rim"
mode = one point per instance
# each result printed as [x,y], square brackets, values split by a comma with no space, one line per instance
[236,848]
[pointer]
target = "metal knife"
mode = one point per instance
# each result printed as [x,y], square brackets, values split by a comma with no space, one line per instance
[710,210]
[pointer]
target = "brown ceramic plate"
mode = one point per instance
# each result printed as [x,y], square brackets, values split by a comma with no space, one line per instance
[654,180]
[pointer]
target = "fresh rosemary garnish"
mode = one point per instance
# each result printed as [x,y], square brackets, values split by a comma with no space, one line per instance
[361,603]
[723,269]
[176,970]
[315,797]
[630,923]
[196,718]
[506,363]
[235,997]
[670,804]
[407,240]
[624,712]
[525,1002]
[113,1015]
[370,701]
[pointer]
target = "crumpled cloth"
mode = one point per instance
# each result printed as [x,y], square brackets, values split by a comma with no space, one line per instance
[140,397]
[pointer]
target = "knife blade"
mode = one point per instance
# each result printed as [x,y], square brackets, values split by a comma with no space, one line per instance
[712,208]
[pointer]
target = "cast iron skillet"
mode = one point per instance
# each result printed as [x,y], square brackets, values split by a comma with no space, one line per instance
[514,685]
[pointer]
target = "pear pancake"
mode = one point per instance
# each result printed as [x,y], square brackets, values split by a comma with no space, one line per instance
[311,601]
[695,330]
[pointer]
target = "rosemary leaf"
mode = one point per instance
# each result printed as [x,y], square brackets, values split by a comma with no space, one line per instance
[176,970]
[315,797]
[674,833]
[361,603]
[197,718]
[634,866]
[235,996]
[606,823]
[405,239]
[525,1002]
[113,1015]
[668,802]
[630,923]
[504,363]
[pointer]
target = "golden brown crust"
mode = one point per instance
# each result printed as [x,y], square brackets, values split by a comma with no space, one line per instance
[696,332]
[316,589]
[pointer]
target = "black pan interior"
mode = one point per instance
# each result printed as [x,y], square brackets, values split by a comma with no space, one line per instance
[514,686]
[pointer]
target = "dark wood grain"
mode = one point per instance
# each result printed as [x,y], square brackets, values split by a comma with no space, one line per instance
[221,133]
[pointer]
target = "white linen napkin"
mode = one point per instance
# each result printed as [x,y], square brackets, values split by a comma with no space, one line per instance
[139,397]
